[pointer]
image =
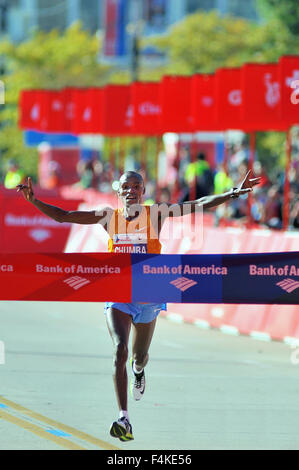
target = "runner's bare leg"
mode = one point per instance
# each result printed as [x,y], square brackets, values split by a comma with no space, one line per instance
[119,326]
[141,341]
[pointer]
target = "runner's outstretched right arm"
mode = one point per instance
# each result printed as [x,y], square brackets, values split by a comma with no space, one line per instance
[61,215]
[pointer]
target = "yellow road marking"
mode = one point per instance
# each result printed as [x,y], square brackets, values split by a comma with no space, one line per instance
[39,431]
[63,427]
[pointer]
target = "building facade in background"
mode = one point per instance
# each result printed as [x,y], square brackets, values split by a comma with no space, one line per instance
[18,18]
[25,16]
[160,14]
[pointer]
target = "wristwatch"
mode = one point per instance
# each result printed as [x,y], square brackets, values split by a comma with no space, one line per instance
[235,193]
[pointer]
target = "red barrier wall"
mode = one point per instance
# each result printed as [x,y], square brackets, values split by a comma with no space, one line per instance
[260,321]
[23,229]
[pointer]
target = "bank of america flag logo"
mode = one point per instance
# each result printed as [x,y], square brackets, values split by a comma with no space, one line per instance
[288,285]
[183,283]
[76,282]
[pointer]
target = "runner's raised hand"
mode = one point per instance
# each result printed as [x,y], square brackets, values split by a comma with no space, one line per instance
[247,184]
[26,190]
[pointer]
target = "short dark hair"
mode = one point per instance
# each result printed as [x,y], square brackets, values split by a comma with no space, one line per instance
[130,174]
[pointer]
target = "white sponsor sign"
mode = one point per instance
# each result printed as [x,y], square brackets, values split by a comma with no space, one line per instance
[11,220]
[40,235]
[272,95]
[235,97]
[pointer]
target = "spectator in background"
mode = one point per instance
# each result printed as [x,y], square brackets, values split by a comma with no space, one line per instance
[165,196]
[200,173]
[53,175]
[241,170]
[273,208]
[294,174]
[239,154]
[259,170]
[222,183]
[14,175]
[294,216]
[149,196]
[261,196]
[98,169]
[239,208]
[183,162]
[85,169]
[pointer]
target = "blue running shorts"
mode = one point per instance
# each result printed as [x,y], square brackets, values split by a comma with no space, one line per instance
[140,313]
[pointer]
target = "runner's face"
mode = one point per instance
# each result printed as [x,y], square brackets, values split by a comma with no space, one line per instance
[131,190]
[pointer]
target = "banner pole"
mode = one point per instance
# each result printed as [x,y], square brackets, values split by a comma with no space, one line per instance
[122,151]
[158,149]
[144,146]
[176,187]
[112,158]
[286,195]
[225,153]
[193,160]
[252,146]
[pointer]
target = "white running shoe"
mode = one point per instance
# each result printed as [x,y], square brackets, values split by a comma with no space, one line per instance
[137,385]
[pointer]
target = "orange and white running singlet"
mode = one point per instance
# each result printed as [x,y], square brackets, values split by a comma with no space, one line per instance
[135,236]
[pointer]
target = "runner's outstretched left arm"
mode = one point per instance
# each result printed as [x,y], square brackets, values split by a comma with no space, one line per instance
[215,200]
[176,210]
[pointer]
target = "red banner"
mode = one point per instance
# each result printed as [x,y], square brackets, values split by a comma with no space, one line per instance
[55,111]
[30,109]
[261,97]
[96,122]
[88,111]
[228,98]
[146,108]
[42,110]
[289,81]
[81,109]
[62,111]
[68,96]
[61,277]
[176,97]
[117,116]
[203,103]
[44,122]
[257,97]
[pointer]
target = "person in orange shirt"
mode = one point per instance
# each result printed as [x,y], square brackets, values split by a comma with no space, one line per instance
[133,229]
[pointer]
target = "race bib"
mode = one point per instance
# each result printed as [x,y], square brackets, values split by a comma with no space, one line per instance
[130,243]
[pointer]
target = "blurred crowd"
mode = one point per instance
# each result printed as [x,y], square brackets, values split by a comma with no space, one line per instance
[188,179]
[195,179]
[14,175]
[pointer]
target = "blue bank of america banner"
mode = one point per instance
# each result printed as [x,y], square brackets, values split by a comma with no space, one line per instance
[270,278]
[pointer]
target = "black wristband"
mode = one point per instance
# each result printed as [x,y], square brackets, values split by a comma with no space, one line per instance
[235,193]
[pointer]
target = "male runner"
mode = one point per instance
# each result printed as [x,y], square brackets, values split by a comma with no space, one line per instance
[133,229]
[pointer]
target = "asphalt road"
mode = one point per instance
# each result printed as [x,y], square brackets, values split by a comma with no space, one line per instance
[205,390]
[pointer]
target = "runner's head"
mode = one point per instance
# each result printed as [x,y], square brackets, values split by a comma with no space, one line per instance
[131,188]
